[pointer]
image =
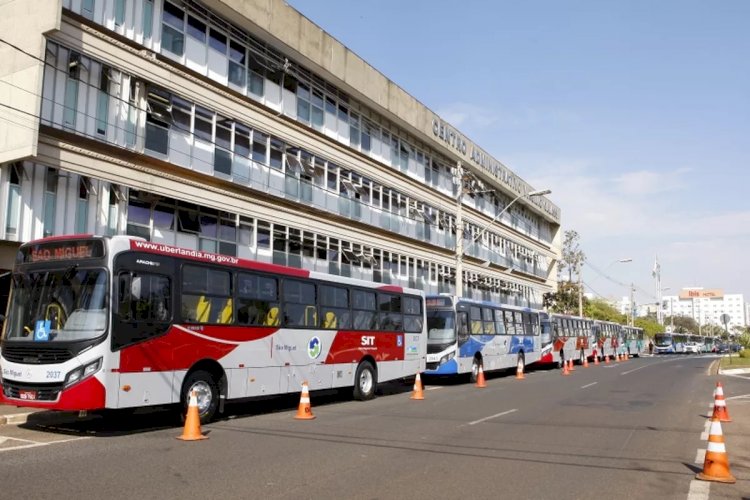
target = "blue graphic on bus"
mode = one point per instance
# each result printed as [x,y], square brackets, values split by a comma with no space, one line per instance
[41,330]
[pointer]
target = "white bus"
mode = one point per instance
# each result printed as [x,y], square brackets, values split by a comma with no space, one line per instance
[464,334]
[99,322]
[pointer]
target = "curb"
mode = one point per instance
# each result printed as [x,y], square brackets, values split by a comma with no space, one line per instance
[16,419]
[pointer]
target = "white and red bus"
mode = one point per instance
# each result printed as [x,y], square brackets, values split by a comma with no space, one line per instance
[568,338]
[120,322]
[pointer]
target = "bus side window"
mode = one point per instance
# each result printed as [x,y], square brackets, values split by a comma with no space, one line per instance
[272,317]
[463,327]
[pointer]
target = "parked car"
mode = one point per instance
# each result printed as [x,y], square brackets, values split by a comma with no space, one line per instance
[692,347]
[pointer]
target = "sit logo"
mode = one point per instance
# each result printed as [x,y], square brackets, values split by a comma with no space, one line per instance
[368,340]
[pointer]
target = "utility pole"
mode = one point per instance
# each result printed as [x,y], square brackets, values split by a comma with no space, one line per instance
[580,290]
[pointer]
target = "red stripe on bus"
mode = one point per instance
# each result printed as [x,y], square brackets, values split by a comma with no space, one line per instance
[350,347]
[390,288]
[179,350]
[87,395]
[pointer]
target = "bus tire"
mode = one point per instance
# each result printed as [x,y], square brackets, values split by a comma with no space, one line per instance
[365,381]
[207,391]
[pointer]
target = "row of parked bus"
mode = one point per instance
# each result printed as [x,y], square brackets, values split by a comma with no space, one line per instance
[671,343]
[464,334]
[120,322]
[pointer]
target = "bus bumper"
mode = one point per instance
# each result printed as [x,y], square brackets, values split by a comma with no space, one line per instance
[89,394]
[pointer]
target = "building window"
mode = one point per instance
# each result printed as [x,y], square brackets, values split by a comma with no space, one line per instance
[14,198]
[173,27]
[148,18]
[237,58]
[50,202]
[102,105]
[82,206]
[119,12]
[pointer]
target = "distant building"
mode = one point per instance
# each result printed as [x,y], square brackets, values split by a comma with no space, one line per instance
[706,306]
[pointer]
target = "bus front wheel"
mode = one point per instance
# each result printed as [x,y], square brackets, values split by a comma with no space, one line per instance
[206,391]
[365,381]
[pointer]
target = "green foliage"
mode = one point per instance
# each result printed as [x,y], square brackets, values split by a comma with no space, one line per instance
[682,324]
[599,309]
[649,325]
[565,300]
[745,354]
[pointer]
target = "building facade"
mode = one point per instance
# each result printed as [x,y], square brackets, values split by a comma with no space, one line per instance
[240,127]
[706,306]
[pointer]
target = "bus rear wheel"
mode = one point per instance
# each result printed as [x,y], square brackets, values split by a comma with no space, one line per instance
[365,381]
[207,394]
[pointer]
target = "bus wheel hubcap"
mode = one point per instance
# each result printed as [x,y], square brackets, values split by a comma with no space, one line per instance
[203,394]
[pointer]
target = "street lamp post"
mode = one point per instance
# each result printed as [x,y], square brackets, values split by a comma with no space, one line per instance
[460,227]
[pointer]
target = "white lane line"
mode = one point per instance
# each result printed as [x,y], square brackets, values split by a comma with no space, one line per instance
[433,388]
[635,369]
[36,445]
[743,396]
[699,490]
[492,416]
[589,385]
[706,428]
[700,456]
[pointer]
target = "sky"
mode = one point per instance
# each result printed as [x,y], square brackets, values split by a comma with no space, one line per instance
[635,113]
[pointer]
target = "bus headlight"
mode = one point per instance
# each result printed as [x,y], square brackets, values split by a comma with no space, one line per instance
[447,357]
[82,372]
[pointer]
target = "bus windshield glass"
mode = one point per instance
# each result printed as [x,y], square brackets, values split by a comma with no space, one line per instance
[662,340]
[441,325]
[58,305]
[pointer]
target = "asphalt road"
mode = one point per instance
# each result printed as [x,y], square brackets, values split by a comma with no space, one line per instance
[624,430]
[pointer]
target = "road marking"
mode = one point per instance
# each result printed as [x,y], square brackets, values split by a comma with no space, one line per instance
[589,385]
[492,416]
[699,490]
[744,396]
[36,445]
[635,369]
[433,388]
[707,427]
[700,456]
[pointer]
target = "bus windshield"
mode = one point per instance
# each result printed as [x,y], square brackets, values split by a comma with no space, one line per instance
[441,325]
[58,305]
[661,339]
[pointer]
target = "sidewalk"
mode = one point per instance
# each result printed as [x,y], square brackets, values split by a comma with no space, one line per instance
[13,415]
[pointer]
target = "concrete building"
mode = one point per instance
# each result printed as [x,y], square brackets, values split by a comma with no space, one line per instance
[706,306]
[240,127]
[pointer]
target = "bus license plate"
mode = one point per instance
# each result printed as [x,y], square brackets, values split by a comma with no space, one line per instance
[27,395]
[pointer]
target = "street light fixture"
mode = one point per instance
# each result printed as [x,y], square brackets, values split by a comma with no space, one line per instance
[460,230]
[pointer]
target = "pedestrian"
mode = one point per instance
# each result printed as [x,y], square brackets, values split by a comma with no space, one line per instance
[650,348]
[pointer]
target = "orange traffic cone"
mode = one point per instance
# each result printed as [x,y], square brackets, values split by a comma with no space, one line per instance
[585,362]
[716,464]
[571,368]
[565,368]
[606,359]
[596,358]
[519,372]
[192,430]
[720,405]
[480,378]
[418,393]
[304,411]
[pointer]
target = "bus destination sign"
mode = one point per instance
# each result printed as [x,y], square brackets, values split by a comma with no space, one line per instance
[62,250]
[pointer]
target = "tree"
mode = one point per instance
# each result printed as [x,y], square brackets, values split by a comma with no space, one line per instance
[682,324]
[600,309]
[565,300]
[572,257]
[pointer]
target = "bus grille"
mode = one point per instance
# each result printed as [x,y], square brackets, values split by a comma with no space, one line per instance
[43,392]
[436,348]
[36,355]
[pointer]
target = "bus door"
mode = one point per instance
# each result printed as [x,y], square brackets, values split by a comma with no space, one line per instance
[142,312]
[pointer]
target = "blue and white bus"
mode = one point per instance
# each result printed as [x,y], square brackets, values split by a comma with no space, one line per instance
[632,343]
[464,334]
[670,343]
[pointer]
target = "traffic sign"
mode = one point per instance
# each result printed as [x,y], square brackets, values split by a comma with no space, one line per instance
[725,318]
